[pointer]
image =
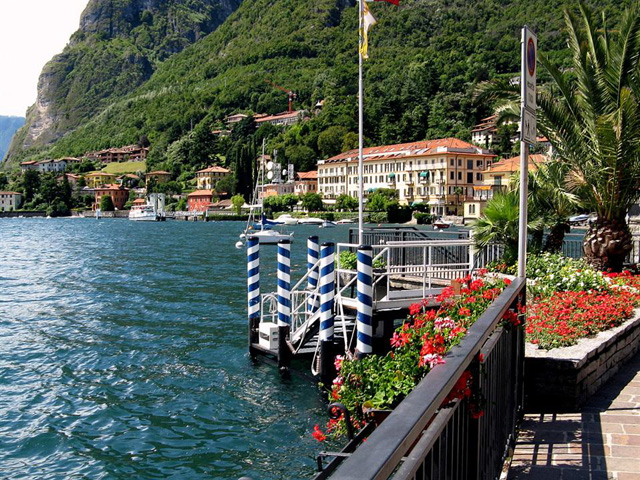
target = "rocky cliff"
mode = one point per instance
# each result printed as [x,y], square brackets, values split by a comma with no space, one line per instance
[117,48]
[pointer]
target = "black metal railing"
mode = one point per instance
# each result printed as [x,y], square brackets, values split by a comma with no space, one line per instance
[422,440]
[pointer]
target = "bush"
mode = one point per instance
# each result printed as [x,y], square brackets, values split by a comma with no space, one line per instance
[423,218]
[555,273]
[348,260]
[397,213]
[106,204]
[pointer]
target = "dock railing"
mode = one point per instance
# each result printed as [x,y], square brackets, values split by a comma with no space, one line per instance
[421,439]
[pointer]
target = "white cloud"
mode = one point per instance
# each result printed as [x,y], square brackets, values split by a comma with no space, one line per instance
[31,32]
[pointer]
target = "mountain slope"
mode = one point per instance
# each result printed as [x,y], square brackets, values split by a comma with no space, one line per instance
[426,57]
[118,46]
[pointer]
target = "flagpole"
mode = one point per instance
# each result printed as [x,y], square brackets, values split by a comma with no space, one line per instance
[360,128]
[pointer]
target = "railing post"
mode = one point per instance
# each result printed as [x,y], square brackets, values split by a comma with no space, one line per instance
[472,252]
[284,303]
[364,322]
[327,296]
[313,253]
[253,290]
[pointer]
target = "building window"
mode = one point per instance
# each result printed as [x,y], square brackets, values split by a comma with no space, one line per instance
[472,209]
[452,162]
[479,176]
[497,180]
[453,175]
[459,162]
[459,175]
[469,177]
[469,164]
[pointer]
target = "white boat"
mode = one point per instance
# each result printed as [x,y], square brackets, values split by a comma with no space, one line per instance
[269,237]
[310,221]
[143,213]
[286,219]
[327,224]
[441,224]
[345,221]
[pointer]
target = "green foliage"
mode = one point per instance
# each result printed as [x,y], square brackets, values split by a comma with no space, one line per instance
[312,202]
[106,204]
[330,140]
[237,201]
[346,203]
[555,273]
[423,218]
[348,260]
[499,224]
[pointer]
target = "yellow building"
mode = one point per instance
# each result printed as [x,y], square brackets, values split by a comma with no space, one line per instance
[96,179]
[160,176]
[441,173]
[208,177]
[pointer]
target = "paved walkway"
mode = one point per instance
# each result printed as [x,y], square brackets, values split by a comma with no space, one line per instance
[601,442]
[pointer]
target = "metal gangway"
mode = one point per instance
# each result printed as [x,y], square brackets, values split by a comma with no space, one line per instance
[337,303]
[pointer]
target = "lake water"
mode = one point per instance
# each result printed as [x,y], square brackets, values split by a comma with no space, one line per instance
[123,354]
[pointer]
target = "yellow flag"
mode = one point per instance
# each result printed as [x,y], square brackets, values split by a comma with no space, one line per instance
[368,20]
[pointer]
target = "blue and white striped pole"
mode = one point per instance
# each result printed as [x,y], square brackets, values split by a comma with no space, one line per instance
[284,304]
[327,290]
[327,298]
[313,253]
[253,289]
[364,319]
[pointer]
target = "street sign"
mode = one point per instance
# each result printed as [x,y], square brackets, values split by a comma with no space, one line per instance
[528,76]
[528,126]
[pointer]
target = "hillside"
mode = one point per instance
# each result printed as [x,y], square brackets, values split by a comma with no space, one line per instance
[8,126]
[119,45]
[426,57]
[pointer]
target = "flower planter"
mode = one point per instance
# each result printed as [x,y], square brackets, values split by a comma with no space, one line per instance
[562,379]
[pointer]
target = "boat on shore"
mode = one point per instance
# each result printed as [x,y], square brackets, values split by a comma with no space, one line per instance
[143,213]
[310,221]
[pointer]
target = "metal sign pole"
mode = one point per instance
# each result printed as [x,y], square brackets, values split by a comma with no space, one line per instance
[360,129]
[527,136]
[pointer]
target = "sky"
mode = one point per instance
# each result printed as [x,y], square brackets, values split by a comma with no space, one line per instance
[31,32]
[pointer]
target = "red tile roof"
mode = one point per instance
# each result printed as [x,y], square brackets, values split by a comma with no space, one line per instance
[214,169]
[413,149]
[513,164]
[312,175]
[159,172]
[201,193]
[9,193]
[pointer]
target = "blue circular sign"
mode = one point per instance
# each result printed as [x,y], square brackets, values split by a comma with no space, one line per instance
[531,57]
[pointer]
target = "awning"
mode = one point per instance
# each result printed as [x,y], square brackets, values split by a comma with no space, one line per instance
[435,202]
[482,187]
[424,174]
[392,175]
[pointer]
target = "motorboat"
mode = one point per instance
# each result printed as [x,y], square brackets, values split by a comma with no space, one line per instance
[441,224]
[286,219]
[310,221]
[345,221]
[327,224]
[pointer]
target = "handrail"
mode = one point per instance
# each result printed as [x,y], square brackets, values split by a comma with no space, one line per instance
[379,456]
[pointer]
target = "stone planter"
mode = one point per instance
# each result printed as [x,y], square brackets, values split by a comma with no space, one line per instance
[562,379]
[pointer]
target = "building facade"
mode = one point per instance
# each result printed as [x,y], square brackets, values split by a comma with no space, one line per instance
[160,176]
[96,179]
[10,201]
[208,177]
[119,195]
[441,173]
[307,182]
[199,201]
[129,153]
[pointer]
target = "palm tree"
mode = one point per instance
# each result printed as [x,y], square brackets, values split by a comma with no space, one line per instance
[591,115]
[499,224]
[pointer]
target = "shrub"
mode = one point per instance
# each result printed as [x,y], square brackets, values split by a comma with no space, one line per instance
[423,218]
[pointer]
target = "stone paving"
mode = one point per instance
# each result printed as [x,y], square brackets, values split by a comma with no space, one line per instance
[600,442]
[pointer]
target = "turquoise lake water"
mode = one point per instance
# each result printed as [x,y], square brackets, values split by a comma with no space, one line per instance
[123,354]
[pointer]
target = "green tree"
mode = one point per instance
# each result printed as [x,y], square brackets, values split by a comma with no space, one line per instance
[237,201]
[346,203]
[590,113]
[30,184]
[499,224]
[106,204]
[330,141]
[312,202]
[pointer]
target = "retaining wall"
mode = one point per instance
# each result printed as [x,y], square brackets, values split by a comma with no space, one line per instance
[562,379]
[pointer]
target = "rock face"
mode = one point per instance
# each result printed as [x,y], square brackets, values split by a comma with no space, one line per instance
[116,49]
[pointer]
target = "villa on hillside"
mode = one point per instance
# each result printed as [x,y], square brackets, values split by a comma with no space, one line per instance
[119,195]
[72,178]
[96,179]
[48,166]
[160,176]
[284,118]
[208,177]
[306,182]
[9,201]
[129,153]
[441,173]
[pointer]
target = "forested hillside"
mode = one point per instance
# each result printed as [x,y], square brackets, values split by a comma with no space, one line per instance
[8,126]
[426,58]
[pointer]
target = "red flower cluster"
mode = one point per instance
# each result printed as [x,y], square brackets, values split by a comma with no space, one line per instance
[565,317]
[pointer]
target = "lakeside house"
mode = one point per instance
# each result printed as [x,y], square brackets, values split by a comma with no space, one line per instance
[441,173]
[10,201]
[282,119]
[96,179]
[47,166]
[119,195]
[199,201]
[160,176]
[496,178]
[306,182]
[208,177]
[72,178]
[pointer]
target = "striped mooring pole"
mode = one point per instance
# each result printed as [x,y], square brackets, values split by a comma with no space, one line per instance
[327,295]
[364,318]
[313,253]
[253,290]
[284,303]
